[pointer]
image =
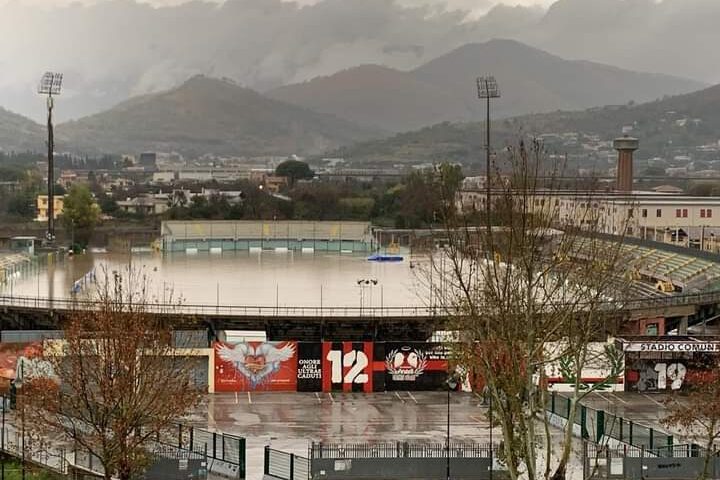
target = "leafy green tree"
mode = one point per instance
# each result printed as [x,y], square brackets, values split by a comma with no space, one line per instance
[294,170]
[421,199]
[108,205]
[80,214]
[22,204]
[59,190]
[705,188]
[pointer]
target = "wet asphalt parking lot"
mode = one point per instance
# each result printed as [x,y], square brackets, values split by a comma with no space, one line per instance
[289,421]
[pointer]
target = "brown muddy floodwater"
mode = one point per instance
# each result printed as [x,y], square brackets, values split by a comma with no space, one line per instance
[267,278]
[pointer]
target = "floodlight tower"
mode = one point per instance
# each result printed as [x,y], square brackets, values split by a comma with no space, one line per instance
[50,85]
[488,89]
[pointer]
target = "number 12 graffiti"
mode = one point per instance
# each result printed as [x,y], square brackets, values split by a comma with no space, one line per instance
[357,362]
[347,366]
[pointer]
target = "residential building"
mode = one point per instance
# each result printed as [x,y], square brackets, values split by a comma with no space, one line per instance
[42,207]
[659,216]
[68,178]
[275,183]
[145,205]
[164,177]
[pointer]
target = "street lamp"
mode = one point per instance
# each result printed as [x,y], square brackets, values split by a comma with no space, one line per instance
[487,88]
[50,84]
[451,384]
[362,283]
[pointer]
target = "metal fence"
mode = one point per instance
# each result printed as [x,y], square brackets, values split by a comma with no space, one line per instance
[224,453]
[399,450]
[57,458]
[602,427]
[62,456]
[677,462]
[402,460]
[286,466]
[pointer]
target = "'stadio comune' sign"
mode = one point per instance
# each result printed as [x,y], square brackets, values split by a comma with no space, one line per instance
[673,346]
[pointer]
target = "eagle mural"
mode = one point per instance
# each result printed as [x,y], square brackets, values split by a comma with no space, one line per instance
[257,363]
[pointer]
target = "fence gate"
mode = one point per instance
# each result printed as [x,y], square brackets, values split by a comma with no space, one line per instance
[286,466]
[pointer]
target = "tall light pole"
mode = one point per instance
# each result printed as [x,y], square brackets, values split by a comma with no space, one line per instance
[487,88]
[451,384]
[50,85]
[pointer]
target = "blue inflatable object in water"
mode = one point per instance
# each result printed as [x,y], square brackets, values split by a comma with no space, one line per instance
[385,258]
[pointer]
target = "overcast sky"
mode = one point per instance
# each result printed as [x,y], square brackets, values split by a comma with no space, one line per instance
[478,6]
[110,50]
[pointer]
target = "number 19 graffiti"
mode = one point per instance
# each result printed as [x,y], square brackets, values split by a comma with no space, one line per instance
[660,376]
[675,372]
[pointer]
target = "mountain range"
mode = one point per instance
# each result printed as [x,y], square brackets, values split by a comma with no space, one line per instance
[19,134]
[675,124]
[444,89]
[209,115]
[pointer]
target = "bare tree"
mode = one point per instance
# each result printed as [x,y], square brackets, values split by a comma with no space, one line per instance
[115,381]
[697,415]
[529,281]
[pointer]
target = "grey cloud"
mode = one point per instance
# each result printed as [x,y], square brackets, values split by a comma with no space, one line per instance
[117,48]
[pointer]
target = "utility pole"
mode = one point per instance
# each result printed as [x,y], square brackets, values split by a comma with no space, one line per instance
[50,84]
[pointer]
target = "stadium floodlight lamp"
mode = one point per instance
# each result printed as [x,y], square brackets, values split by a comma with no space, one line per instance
[488,87]
[50,84]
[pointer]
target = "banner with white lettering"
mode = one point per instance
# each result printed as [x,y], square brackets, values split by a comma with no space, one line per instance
[309,368]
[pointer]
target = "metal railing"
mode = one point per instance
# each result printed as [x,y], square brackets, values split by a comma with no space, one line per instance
[225,310]
[69,304]
[599,426]
[52,457]
[225,453]
[685,450]
[400,450]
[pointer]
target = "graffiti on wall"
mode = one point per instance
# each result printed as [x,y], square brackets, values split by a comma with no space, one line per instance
[11,354]
[414,366]
[255,366]
[330,366]
[347,366]
[650,375]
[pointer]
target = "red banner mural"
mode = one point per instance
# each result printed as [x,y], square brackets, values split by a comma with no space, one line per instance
[255,366]
[329,366]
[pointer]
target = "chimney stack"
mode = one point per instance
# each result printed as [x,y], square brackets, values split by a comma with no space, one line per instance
[625,147]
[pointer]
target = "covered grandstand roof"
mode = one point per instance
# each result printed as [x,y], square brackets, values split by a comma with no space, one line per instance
[270,229]
[687,269]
